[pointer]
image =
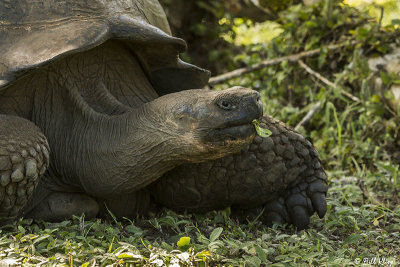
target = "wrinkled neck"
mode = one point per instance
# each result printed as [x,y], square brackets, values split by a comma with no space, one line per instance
[102,153]
[137,151]
[109,155]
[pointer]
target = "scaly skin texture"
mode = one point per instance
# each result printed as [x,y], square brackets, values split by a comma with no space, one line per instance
[24,157]
[281,173]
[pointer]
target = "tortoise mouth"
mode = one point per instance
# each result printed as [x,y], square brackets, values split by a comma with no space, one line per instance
[235,131]
[237,127]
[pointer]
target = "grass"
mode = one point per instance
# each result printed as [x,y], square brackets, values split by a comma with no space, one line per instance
[355,230]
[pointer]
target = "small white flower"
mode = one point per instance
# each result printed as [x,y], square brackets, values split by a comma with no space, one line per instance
[183,256]
[157,262]
[174,263]
[8,262]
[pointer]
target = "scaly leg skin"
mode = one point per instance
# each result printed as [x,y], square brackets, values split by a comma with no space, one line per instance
[281,175]
[24,157]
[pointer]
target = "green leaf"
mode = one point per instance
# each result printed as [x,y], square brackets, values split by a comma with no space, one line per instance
[183,241]
[252,261]
[166,246]
[203,255]
[352,239]
[263,132]
[21,229]
[396,21]
[386,79]
[125,256]
[375,98]
[311,23]
[261,254]
[322,56]
[215,234]
[134,230]
[388,94]
[129,256]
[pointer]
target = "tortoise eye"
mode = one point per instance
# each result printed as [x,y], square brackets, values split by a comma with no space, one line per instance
[226,105]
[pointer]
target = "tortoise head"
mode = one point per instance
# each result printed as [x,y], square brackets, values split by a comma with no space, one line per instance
[208,124]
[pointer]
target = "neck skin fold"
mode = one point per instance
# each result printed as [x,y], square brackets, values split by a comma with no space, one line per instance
[105,155]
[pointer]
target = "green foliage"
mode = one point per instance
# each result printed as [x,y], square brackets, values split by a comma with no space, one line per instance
[247,32]
[201,23]
[344,131]
[345,235]
[385,10]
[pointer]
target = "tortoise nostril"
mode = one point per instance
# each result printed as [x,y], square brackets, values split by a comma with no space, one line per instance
[256,96]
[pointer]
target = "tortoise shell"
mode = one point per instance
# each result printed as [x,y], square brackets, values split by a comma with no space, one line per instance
[35,33]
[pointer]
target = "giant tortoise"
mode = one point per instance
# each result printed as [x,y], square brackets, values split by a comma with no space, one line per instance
[99,114]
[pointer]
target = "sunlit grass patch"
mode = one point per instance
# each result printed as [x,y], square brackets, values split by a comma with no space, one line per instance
[354,228]
[390,9]
[254,33]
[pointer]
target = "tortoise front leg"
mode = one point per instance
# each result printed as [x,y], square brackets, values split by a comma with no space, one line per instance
[281,173]
[24,157]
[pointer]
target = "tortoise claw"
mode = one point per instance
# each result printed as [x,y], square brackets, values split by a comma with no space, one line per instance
[300,202]
[274,217]
[306,198]
[275,212]
[317,191]
[299,207]
[319,204]
[280,211]
[318,186]
[300,217]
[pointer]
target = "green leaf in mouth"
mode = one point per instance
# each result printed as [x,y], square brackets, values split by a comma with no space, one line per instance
[264,133]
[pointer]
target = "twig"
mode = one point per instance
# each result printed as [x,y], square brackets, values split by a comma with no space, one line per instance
[317,106]
[381,16]
[326,81]
[291,58]
[309,115]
